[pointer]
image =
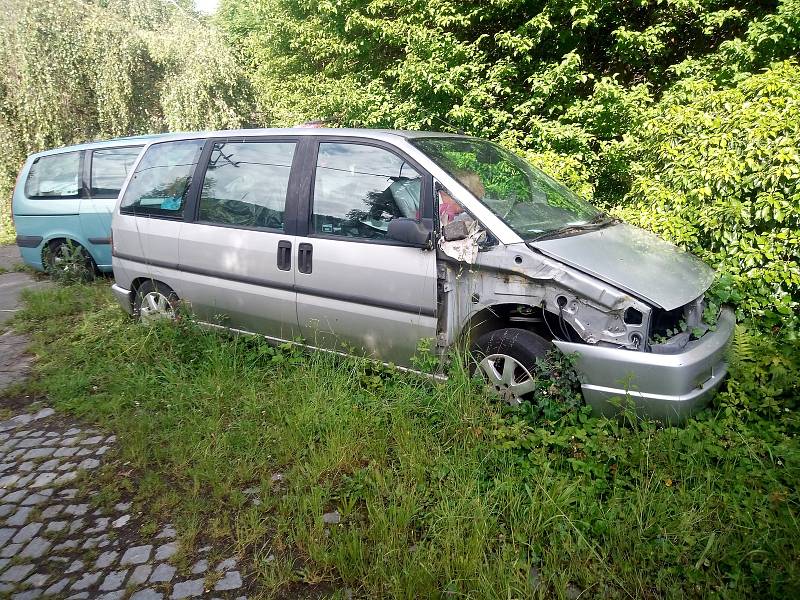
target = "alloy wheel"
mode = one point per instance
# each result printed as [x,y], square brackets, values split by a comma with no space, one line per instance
[507,377]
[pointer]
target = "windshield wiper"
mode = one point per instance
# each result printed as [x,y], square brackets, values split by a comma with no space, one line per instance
[597,222]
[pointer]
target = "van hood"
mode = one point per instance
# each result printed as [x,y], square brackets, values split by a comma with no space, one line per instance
[635,261]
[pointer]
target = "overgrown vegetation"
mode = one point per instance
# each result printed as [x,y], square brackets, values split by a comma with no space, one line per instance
[439,491]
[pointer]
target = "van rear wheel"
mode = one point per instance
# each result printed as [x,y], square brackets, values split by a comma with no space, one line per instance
[506,358]
[68,261]
[155,301]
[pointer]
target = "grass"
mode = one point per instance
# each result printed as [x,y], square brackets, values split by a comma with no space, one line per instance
[440,492]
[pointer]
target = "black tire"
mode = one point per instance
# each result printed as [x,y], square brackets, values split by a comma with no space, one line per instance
[68,260]
[155,288]
[521,345]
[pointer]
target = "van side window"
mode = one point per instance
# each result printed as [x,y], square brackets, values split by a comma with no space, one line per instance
[161,181]
[246,183]
[54,176]
[110,167]
[358,189]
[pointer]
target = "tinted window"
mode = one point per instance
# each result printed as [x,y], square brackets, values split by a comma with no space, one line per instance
[54,176]
[358,189]
[110,167]
[246,183]
[161,180]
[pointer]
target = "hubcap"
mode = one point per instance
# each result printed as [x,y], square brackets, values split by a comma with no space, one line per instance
[507,377]
[155,306]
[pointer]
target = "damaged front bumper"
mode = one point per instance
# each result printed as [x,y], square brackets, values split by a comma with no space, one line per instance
[667,387]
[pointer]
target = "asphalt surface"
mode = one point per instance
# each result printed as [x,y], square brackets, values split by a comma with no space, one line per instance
[12,282]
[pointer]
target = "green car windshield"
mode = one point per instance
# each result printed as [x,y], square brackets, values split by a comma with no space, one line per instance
[526,199]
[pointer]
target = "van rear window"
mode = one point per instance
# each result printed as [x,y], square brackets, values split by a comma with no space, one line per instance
[110,167]
[54,176]
[161,181]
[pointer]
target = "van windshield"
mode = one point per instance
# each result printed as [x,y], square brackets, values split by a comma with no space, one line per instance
[530,202]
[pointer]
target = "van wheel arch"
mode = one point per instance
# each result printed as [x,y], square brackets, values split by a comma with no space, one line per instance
[516,315]
[51,246]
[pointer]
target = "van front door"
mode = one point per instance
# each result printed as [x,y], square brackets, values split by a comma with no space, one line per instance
[235,256]
[358,290]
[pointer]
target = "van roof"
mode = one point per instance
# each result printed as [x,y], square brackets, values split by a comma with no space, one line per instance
[300,131]
[114,142]
[294,131]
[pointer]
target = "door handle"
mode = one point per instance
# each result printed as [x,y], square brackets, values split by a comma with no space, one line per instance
[284,255]
[304,258]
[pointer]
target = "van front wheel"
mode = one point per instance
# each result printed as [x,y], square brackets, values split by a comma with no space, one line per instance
[155,301]
[505,358]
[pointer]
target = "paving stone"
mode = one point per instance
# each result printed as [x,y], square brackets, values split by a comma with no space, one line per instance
[10,550]
[166,551]
[147,594]
[140,574]
[27,466]
[68,494]
[36,548]
[23,481]
[27,533]
[163,573]
[83,452]
[27,595]
[81,596]
[102,450]
[65,451]
[106,559]
[231,581]
[31,442]
[113,581]
[116,595]
[69,441]
[20,517]
[187,589]
[6,509]
[17,496]
[37,580]
[123,506]
[44,479]
[89,463]
[72,431]
[56,587]
[56,526]
[66,477]
[77,525]
[121,521]
[226,565]
[49,465]
[136,555]
[8,480]
[100,525]
[77,510]
[16,573]
[66,545]
[44,413]
[67,466]
[200,567]
[35,499]
[92,441]
[4,563]
[51,511]
[87,580]
[38,453]
[75,566]
[6,533]
[167,533]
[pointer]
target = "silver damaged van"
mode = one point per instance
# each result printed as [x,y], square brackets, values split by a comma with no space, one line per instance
[370,241]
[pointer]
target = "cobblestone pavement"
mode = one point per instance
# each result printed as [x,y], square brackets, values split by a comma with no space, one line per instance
[54,542]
